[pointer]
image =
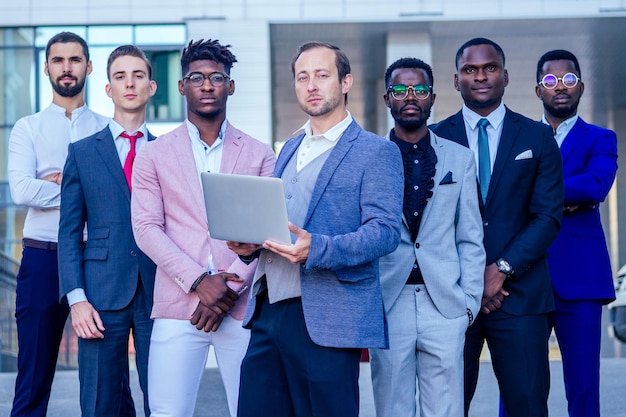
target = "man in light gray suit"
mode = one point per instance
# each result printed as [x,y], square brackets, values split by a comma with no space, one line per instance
[433,282]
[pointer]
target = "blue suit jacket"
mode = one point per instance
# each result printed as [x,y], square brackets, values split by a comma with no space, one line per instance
[94,191]
[524,206]
[579,259]
[354,218]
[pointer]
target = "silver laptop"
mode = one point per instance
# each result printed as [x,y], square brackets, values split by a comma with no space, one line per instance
[245,208]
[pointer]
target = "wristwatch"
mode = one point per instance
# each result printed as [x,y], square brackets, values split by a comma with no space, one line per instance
[504,267]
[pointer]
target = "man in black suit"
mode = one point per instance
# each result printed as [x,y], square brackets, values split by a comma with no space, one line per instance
[521,190]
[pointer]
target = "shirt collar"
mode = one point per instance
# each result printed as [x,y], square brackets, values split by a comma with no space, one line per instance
[565,126]
[75,113]
[117,129]
[495,118]
[423,144]
[194,133]
[332,134]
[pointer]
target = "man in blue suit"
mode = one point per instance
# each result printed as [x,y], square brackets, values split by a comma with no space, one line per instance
[521,191]
[107,280]
[316,303]
[579,260]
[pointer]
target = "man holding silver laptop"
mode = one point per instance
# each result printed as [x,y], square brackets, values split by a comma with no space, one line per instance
[199,284]
[316,303]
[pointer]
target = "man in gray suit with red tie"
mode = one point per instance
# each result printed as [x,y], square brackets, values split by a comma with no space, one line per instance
[521,189]
[107,280]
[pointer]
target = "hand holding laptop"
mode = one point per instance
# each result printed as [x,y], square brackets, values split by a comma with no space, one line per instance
[296,253]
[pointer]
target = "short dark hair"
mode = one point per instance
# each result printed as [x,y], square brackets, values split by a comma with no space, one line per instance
[67,37]
[341,59]
[208,49]
[409,63]
[128,50]
[557,55]
[475,42]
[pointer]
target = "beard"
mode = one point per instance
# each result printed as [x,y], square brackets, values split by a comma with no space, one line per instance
[561,112]
[326,107]
[411,124]
[68,90]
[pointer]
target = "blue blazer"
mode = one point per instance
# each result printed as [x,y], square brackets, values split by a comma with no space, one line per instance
[94,192]
[579,260]
[524,206]
[354,218]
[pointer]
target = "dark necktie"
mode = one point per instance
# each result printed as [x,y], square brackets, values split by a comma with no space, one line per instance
[484,160]
[130,158]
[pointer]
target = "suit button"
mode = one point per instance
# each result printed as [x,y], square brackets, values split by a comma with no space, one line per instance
[133,253]
[417,245]
[485,224]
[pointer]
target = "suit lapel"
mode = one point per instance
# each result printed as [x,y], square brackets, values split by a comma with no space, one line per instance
[344,143]
[457,130]
[574,135]
[105,147]
[183,155]
[510,131]
[232,148]
[440,171]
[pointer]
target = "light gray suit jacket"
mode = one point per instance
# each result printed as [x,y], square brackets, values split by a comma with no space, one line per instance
[449,245]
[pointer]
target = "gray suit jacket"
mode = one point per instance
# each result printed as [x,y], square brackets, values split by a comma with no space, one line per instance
[449,245]
[94,191]
[354,217]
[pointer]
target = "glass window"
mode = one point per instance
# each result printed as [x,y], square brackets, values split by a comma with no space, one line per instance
[17,69]
[109,35]
[160,35]
[43,34]
[166,104]
[17,37]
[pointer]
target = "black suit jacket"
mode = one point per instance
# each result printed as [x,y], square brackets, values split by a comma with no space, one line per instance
[524,206]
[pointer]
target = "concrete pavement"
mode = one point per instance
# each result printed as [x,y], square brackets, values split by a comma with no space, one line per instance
[212,400]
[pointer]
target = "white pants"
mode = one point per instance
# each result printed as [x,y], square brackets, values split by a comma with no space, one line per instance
[178,355]
[425,344]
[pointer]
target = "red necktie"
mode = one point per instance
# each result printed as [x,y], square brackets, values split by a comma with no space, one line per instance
[130,158]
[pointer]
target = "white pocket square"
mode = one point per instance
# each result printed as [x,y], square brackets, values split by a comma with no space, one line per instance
[525,155]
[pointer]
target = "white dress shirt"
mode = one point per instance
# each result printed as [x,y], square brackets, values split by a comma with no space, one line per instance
[38,147]
[313,146]
[494,131]
[123,144]
[563,129]
[208,159]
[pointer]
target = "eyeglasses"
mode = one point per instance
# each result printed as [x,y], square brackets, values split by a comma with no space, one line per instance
[217,79]
[401,91]
[550,81]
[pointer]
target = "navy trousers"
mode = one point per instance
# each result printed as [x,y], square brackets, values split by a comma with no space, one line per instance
[40,320]
[103,363]
[519,356]
[285,374]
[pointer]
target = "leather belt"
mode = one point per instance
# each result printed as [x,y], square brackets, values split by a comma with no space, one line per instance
[38,244]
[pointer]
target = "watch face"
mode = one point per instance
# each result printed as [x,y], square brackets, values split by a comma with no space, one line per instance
[503,266]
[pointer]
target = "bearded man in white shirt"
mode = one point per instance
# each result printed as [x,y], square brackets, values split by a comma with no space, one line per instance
[37,152]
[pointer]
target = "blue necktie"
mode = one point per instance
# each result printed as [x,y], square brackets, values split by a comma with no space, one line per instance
[484,160]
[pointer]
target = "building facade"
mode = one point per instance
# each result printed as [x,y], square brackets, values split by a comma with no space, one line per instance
[264,35]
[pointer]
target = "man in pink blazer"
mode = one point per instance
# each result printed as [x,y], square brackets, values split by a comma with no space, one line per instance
[200,284]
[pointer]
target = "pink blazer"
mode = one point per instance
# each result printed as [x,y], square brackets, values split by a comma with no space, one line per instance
[169,217]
